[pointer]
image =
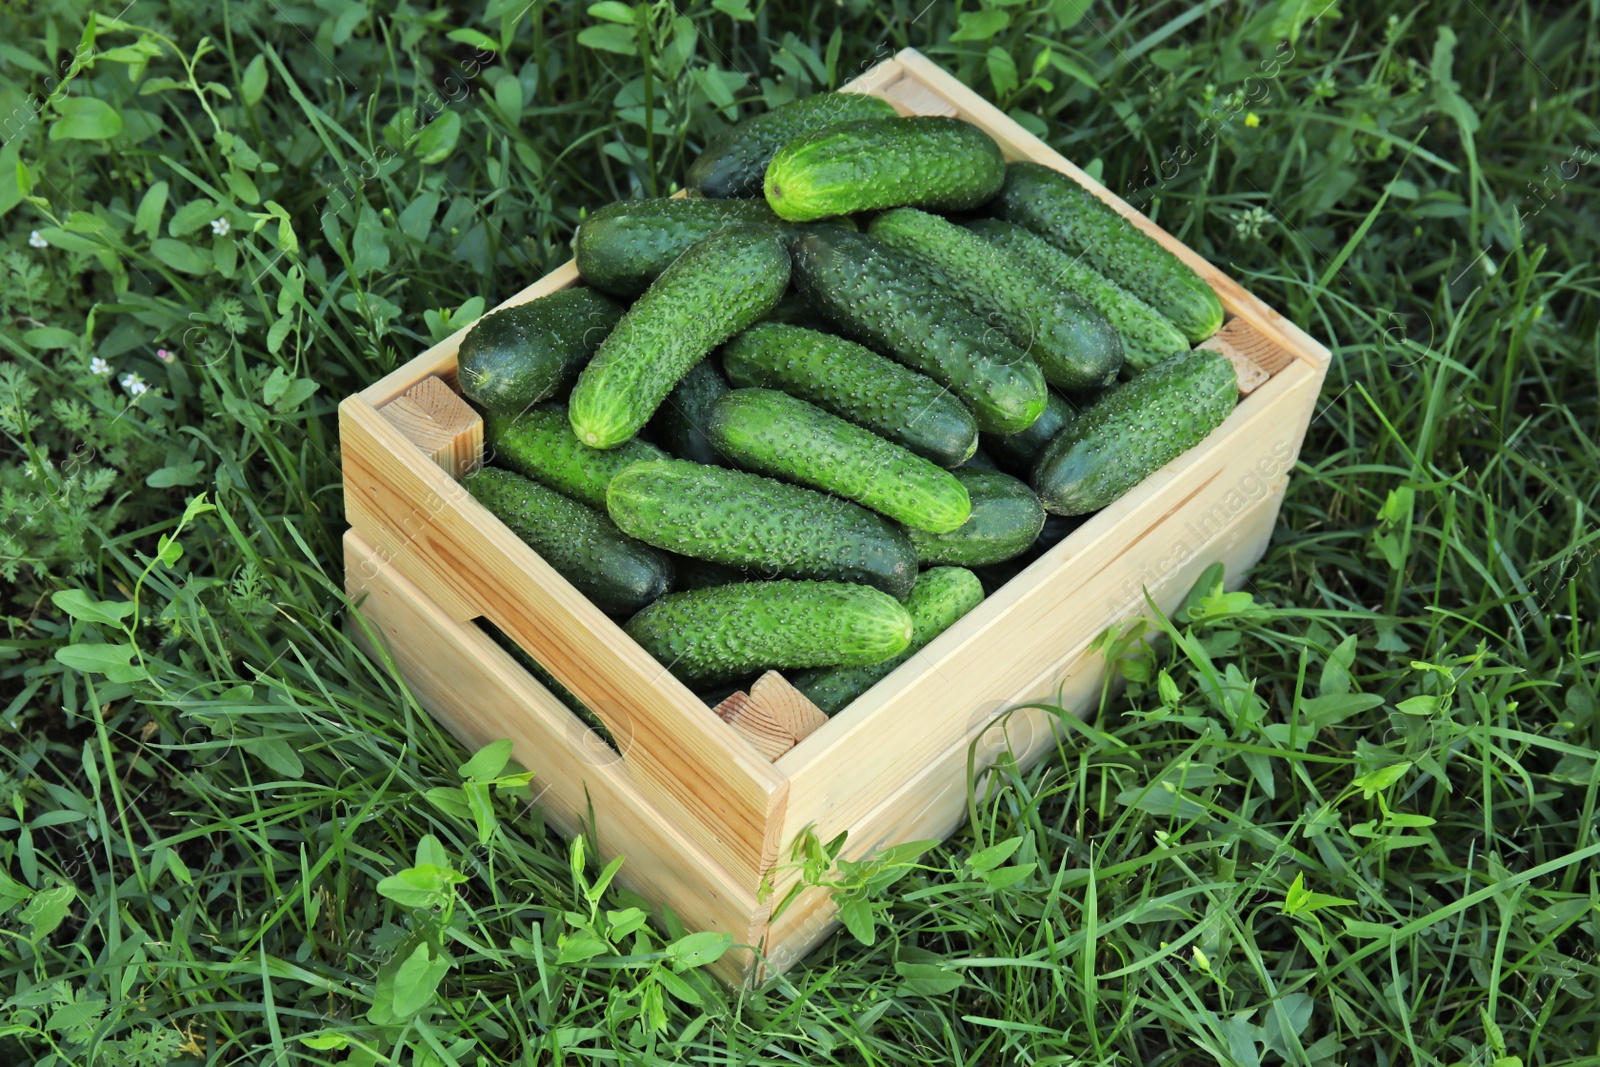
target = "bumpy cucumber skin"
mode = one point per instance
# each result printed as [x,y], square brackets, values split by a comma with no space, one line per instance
[782,436]
[711,292]
[540,444]
[942,595]
[1006,518]
[1073,343]
[1076,221]
[625,246]
[706,635]
[1020,451]
[585,547]
[735,161]
[1134,430]
[521,355]
[885,300]
[1148,337]
[679,423]
[856,384]
[761,525]
[928,161]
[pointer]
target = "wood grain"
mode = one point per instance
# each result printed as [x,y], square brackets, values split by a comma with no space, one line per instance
[432,416]
[1250,373]
[774,715]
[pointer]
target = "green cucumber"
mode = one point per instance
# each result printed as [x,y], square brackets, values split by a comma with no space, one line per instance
[1148,337]
[1134,430]
[928,161]
[718,287]
[1079,223]
[624,246]
[619,574]
[521,355]
[942,596]
[856,384]
[1020,451]
[782,436]
[1072,342]
[885,300]
[760,525]
[1006,518]
[706,635]
[679,424]
[735,161]
[979,461]
[540,444]
[703,574]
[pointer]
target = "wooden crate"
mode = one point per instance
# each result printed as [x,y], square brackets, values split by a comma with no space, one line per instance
[705,805]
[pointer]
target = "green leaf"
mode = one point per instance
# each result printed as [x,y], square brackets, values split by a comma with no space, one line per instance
[1419,705]
[76,603]
[993,856]
[450,800]
[426,885]
[1070,67]
[612,11]
[1375,782]
[856,914]
[583,945]
[508,97]
[253,85]
[148,219]
[1068,13]
[417,980]
[192,216]
[1002,71]
[438,138]
[327,1041]
[1329,710]
[738,10]
[169,550]
[979,25]
[927,979]
[488,762]
[177,474]
[82,118]
[698,950]
[430,852]
[475,38]
[182,257]
[45,338]
[618,39]
[480,802]
[278,755]
[48,909]
[113,661]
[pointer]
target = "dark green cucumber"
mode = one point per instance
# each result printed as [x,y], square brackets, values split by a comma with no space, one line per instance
[585,547]
[706,635]
[979,461]
[766,527]
[735,161]
[623,247]
[884,299]
[1072,342]
[1079,223]
[782,436]
[679,423]
[521,355]
[1148,337]
[793,310]
[942,596]
[1020,451]
[1134,430]
[540,444]
[703,574]
[718,287]
[928,161]
[856,384]
[1006,518]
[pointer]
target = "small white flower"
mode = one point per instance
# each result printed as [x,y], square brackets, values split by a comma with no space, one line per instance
[219,226]
[134,384]
[99,366]
[27,472]
[37,241]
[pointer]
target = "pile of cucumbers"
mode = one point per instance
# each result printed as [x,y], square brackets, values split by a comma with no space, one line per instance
[804,417]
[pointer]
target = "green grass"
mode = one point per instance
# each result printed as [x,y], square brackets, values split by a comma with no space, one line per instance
[1347,816]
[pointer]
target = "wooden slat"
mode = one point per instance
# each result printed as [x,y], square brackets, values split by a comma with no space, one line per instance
[442,425]
[1018,143]
[911,97]
[718,787]
[1250,373]
[571,774]
[774,716]
[1241,338]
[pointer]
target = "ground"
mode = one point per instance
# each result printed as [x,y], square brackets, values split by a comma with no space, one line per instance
[1345,816]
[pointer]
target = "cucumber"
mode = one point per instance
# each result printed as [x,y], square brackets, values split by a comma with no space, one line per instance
[979,461]
[928,161]
[706,635]
[703,574]
[1020,451]
[1134,430]
[856,384]
[735,161]
[1006,518]
[792,310]
[619,574]
[885,300]
[711,292]
[1148,337]
[679,424]
[942,596]
[768,528]
[1072,342]
[540,444]
[782,436]
[1079,223]
[624,246]
[521,355]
